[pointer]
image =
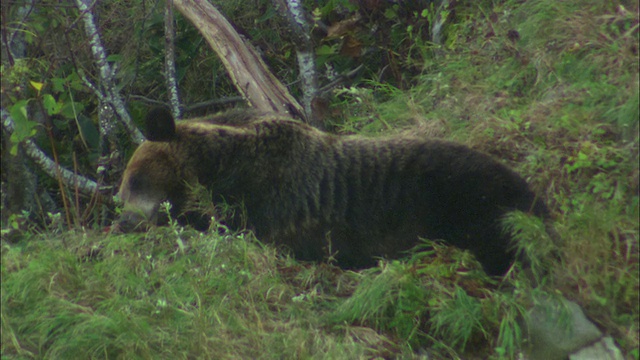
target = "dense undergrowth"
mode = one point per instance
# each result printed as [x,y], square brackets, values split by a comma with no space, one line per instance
[549,87]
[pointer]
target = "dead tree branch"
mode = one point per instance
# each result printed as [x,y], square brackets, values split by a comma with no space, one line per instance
[110,101]
[107,90]
[248,72]
[52,169]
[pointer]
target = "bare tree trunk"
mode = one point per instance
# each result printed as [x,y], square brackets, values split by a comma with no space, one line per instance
[292,11]
[170,61]
[107,91]
[248,72]
[110,103]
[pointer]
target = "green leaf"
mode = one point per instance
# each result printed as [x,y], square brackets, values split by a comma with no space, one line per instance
[391,13]
[36,85]
[19,111]
[114,58]
[75,82]
[50,104]
[23,127]
[89,131]
[57,84]
[325,50]
[71,109]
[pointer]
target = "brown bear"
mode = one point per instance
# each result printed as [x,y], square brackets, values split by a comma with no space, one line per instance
[319,194]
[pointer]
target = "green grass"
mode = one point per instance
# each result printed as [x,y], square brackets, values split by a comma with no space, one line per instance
[175,293]
[149,297]
[559,104]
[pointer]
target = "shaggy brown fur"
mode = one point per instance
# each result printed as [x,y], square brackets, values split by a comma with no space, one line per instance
[356,197]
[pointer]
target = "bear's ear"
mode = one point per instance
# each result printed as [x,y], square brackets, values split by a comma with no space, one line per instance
[160,125]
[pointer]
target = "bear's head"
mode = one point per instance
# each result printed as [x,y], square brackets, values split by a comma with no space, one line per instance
[155,173]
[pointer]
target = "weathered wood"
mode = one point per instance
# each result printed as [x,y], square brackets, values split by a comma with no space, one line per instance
[248,72]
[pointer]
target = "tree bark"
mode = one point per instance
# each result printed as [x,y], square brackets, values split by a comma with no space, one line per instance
[248,72]
[107,91]
[299,30]
[170,61]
